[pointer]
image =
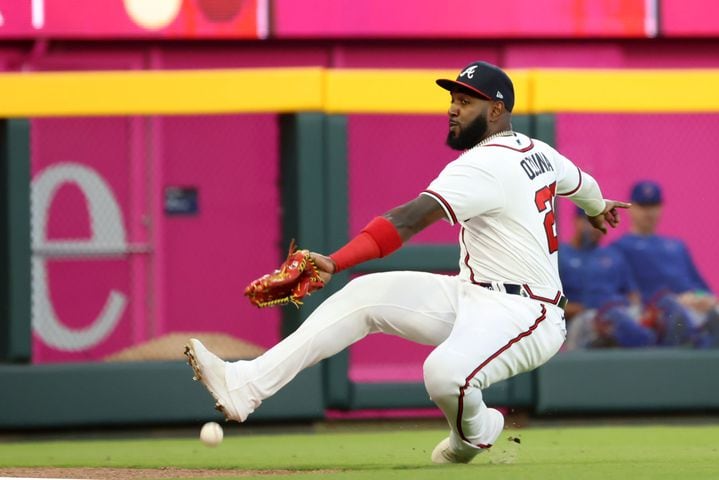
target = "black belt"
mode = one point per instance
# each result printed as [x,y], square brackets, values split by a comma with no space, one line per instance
[514,289]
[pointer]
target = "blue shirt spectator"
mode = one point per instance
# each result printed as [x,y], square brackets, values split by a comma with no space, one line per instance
[668,279]
[573,257]
[660,264]
[572,264]
[608,278]
[602,293]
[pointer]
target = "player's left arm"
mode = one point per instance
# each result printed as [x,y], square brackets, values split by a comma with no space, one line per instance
[600,211]
[608,216]
[582,189]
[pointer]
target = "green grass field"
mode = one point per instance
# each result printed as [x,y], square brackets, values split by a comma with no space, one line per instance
[612,452]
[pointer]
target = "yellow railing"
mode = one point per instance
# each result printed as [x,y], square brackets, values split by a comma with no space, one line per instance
[32,94]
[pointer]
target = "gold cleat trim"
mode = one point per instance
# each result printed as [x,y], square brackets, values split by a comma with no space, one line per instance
[190,354]
[192,362]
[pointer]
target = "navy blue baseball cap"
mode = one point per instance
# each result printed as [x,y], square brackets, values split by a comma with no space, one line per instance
[484,80]
[647,192]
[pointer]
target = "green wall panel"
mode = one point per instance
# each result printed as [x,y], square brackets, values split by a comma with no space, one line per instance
[303,194]
[629,381]
[515,392]
[97,394]
[15,329]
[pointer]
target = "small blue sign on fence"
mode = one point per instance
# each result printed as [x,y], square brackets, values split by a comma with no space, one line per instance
[181,201]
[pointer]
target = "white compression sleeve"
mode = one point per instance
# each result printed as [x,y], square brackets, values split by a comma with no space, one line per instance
[589,196]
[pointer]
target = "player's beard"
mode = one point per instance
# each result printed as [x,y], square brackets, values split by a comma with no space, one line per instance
[470,136]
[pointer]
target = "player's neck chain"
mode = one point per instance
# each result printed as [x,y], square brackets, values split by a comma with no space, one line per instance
[503,133]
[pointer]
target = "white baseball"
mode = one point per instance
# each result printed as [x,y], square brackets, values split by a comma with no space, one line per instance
[211,434]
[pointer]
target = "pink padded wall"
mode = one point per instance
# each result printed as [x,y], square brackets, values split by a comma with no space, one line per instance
[460,19]
[233,161]
[678,151]
[78,288]
[408,150]
[689,18]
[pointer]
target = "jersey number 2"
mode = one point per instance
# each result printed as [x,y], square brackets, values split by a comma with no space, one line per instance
[544,200]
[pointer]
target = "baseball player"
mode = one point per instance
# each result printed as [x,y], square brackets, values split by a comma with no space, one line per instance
[500,316]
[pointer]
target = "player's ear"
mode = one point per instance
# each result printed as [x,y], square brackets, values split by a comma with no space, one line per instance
[496,111]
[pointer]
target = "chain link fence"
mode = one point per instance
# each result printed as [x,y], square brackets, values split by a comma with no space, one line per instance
[145,231]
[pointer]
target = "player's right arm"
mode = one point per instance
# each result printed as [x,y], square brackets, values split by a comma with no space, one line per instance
[383,235]
[414,216]
[462,190]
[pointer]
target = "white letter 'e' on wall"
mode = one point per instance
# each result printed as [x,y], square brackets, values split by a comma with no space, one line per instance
[106,232]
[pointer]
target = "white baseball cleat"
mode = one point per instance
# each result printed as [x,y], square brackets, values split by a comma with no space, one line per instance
[444,453]
[210,371]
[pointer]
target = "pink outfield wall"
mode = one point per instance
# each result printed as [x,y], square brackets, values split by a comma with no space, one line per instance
[462,19]
[192,281]
[675,150]
[233,161]
[689,18]
[678,151]
[182,273]
[323,19]
[416,153]
[444,54]
[92,19]
[78,189]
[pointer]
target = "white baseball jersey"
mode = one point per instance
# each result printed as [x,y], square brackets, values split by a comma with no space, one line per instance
[502,194]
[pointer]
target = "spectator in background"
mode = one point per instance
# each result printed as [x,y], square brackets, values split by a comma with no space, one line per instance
[573,257]
[669,282]
[604,306]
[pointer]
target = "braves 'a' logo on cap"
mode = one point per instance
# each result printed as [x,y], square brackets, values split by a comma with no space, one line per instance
[469,71]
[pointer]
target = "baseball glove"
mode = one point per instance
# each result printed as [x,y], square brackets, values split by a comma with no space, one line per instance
[297,277]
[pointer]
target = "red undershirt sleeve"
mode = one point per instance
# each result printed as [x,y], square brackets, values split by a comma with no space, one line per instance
[377,239]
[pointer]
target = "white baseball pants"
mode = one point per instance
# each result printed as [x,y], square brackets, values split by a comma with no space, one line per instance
[482,337]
